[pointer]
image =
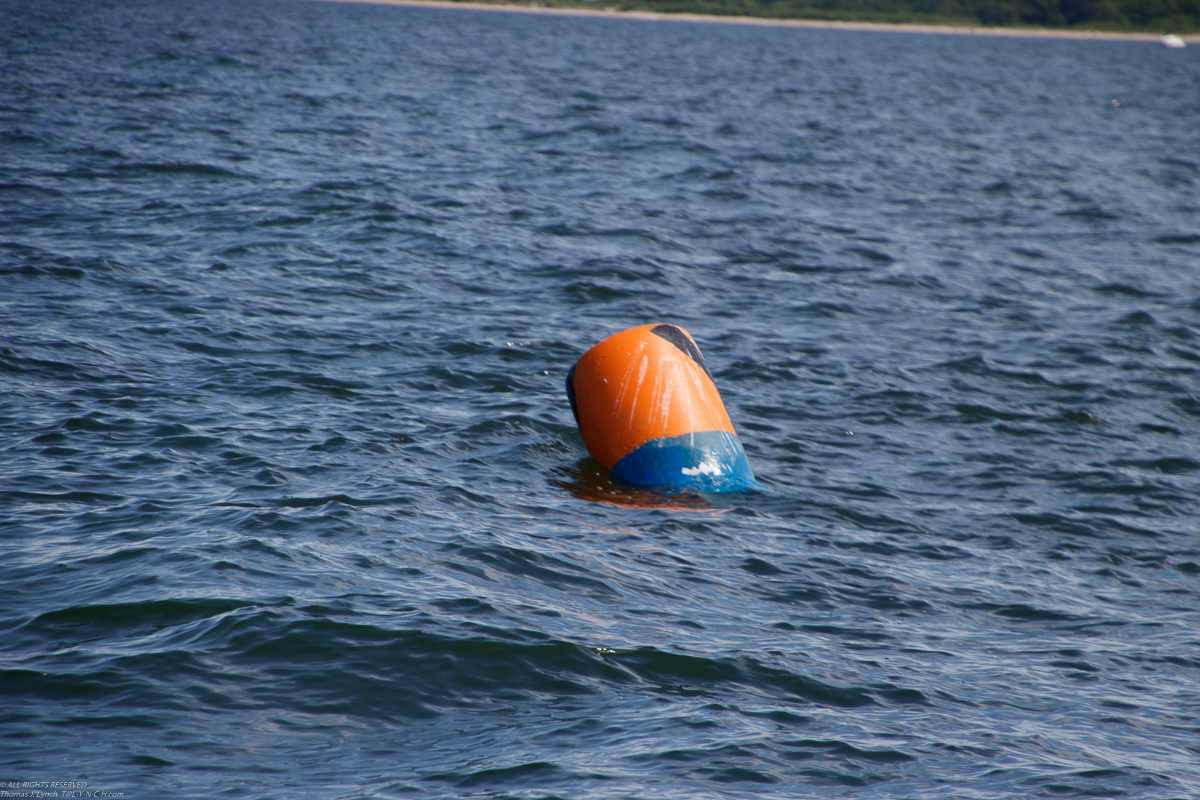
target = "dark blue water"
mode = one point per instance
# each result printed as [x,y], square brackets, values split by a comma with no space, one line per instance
[292,504]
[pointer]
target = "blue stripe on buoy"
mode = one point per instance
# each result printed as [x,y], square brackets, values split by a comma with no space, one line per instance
[707,461]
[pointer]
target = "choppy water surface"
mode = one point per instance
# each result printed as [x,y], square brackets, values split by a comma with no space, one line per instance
[292,503]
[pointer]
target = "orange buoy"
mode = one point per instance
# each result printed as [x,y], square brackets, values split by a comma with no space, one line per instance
[649,411]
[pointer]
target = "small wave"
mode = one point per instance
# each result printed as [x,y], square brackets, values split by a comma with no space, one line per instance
[539,773]
[1179,238]
[152,168]
[96,622]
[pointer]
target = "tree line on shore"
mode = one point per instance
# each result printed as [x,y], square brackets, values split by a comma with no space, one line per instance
[1176,16]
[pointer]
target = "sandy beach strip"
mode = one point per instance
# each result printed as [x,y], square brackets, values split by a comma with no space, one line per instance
[888,27]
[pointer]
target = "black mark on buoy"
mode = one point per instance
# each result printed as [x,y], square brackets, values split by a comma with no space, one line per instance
[571,394]
[684,342]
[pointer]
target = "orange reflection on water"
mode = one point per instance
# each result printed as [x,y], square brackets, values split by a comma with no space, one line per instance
[589,480]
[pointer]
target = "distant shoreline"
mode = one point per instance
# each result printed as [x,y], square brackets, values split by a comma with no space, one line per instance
[890,27]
